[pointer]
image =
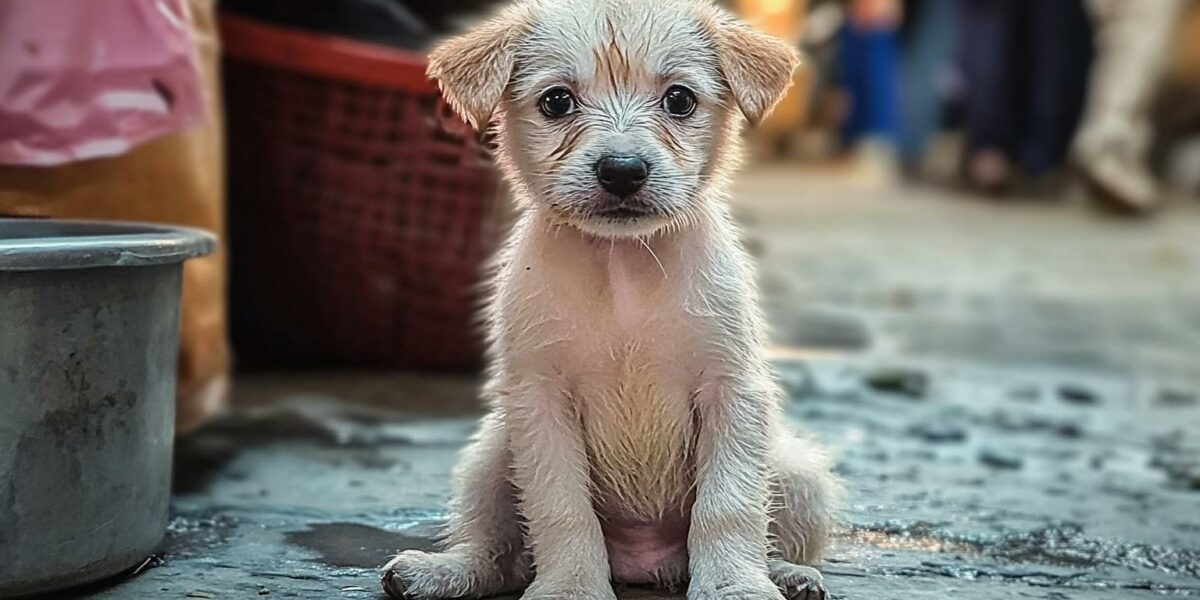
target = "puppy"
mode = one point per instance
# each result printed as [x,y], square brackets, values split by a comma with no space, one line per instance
[635,433]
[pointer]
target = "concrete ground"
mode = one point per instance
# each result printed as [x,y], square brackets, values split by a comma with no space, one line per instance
[1013,390]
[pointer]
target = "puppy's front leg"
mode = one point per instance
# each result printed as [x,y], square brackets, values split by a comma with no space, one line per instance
[551,472]
[727,542]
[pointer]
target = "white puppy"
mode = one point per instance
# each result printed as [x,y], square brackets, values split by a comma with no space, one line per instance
[635,432]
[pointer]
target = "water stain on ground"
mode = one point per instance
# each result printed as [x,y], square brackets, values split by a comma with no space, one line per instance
[1019,554]
[1068,546]
[353,545]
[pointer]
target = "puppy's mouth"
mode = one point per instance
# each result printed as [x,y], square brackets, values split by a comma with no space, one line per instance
[624,213]
[621,219]
[633,208]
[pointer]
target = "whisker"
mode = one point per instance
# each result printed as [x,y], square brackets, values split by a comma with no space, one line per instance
[655,256]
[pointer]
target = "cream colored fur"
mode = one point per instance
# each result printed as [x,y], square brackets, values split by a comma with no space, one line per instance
[628,375]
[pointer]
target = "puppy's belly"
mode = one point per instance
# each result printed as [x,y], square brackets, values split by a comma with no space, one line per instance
[646,550]
[639,447]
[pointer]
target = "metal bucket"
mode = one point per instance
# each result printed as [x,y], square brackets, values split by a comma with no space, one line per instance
[89,328]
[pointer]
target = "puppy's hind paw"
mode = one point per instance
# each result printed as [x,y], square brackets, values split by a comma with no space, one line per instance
[798,582]
[414,575]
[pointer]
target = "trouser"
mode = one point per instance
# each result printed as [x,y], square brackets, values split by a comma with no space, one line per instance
[1025,63]
[1132,42]
[926,48]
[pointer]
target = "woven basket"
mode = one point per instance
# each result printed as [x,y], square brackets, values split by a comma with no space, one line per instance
[361,208]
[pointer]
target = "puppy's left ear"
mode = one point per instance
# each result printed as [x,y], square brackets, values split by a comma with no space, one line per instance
[474,69]
[758,67]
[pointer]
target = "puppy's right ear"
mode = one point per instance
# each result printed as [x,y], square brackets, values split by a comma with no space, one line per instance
[474,69]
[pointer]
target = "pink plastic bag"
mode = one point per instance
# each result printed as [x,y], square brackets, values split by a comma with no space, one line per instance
[84,79]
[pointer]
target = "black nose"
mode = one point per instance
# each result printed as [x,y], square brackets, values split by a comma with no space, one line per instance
[622,175]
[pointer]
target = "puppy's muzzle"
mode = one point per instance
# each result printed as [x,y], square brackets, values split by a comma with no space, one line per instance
[622,175]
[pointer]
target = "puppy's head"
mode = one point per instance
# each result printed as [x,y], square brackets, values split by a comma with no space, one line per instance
[620,115]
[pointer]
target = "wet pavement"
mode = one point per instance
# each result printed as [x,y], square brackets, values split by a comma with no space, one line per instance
[1013,393]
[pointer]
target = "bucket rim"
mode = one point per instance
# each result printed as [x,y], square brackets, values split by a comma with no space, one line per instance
[33,244]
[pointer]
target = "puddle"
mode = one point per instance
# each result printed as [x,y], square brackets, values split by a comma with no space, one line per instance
[352,545]
[190,533]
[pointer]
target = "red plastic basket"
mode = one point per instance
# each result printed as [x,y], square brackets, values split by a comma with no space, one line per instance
[361,208]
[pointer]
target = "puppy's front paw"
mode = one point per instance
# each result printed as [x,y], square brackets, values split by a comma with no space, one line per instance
[798,582]
[538,591]
[753,587]
[414,575]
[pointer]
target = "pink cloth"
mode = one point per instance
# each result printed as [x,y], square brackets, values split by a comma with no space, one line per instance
[84,79]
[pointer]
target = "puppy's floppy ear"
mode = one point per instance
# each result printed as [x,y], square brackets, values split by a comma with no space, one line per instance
[473,69]
[757,66]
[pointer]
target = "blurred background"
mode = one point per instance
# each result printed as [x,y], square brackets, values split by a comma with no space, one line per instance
[976,225]
[1050,131]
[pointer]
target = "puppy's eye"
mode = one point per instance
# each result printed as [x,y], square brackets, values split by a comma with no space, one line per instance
[679,101]
[557,103]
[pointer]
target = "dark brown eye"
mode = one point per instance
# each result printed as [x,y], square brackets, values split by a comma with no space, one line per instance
[557,103]
[679,101]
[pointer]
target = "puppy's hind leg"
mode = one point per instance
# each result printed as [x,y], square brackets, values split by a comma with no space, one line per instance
[807,498]
[485,554]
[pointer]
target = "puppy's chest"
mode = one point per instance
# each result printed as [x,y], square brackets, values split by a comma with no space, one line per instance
[619,331]
[633,384]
